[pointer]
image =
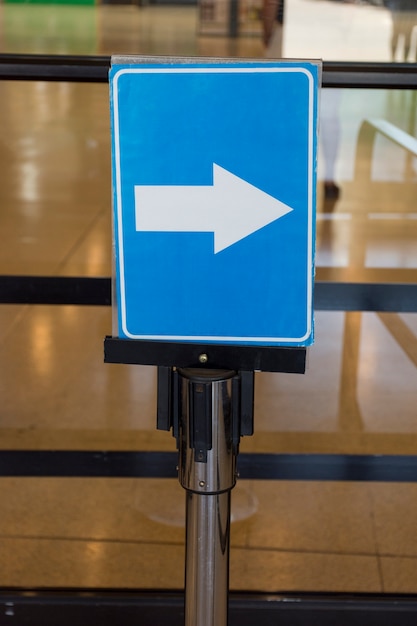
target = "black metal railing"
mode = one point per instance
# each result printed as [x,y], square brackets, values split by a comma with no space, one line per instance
[95,69]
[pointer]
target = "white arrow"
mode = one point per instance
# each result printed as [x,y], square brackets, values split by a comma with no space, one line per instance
[231,208]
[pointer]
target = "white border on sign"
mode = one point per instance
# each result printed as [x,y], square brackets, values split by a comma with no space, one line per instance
[216,70]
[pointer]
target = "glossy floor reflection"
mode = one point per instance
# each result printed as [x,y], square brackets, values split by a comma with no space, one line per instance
[360,391]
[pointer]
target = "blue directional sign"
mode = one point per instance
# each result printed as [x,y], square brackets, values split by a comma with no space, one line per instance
[214,200]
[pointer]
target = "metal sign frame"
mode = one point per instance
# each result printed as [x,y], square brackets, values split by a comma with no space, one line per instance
[286,303]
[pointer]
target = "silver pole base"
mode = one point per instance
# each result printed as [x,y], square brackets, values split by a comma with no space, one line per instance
[207,471]
[207,559]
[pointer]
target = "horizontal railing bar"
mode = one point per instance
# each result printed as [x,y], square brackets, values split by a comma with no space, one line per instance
[369,75]
[85,606]
[328,296]
[382,297]
[66,68]
[255,466]
[72,68]
[53,290]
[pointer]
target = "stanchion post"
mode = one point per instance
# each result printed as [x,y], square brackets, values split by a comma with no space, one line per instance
[205,409]
[256,319]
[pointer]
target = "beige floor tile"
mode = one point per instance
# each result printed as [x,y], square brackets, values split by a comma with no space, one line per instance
[9,317]
[93,509]
[299,402]
[334,518]
[386,372]
[72,563]
[62,377]
[92,254]
[395,512]
[275,571]
[399,574]
[57,170]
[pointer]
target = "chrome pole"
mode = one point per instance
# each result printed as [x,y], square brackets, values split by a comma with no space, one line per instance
[207,471]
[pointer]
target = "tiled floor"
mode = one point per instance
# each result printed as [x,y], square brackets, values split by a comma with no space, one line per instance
[358,396]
